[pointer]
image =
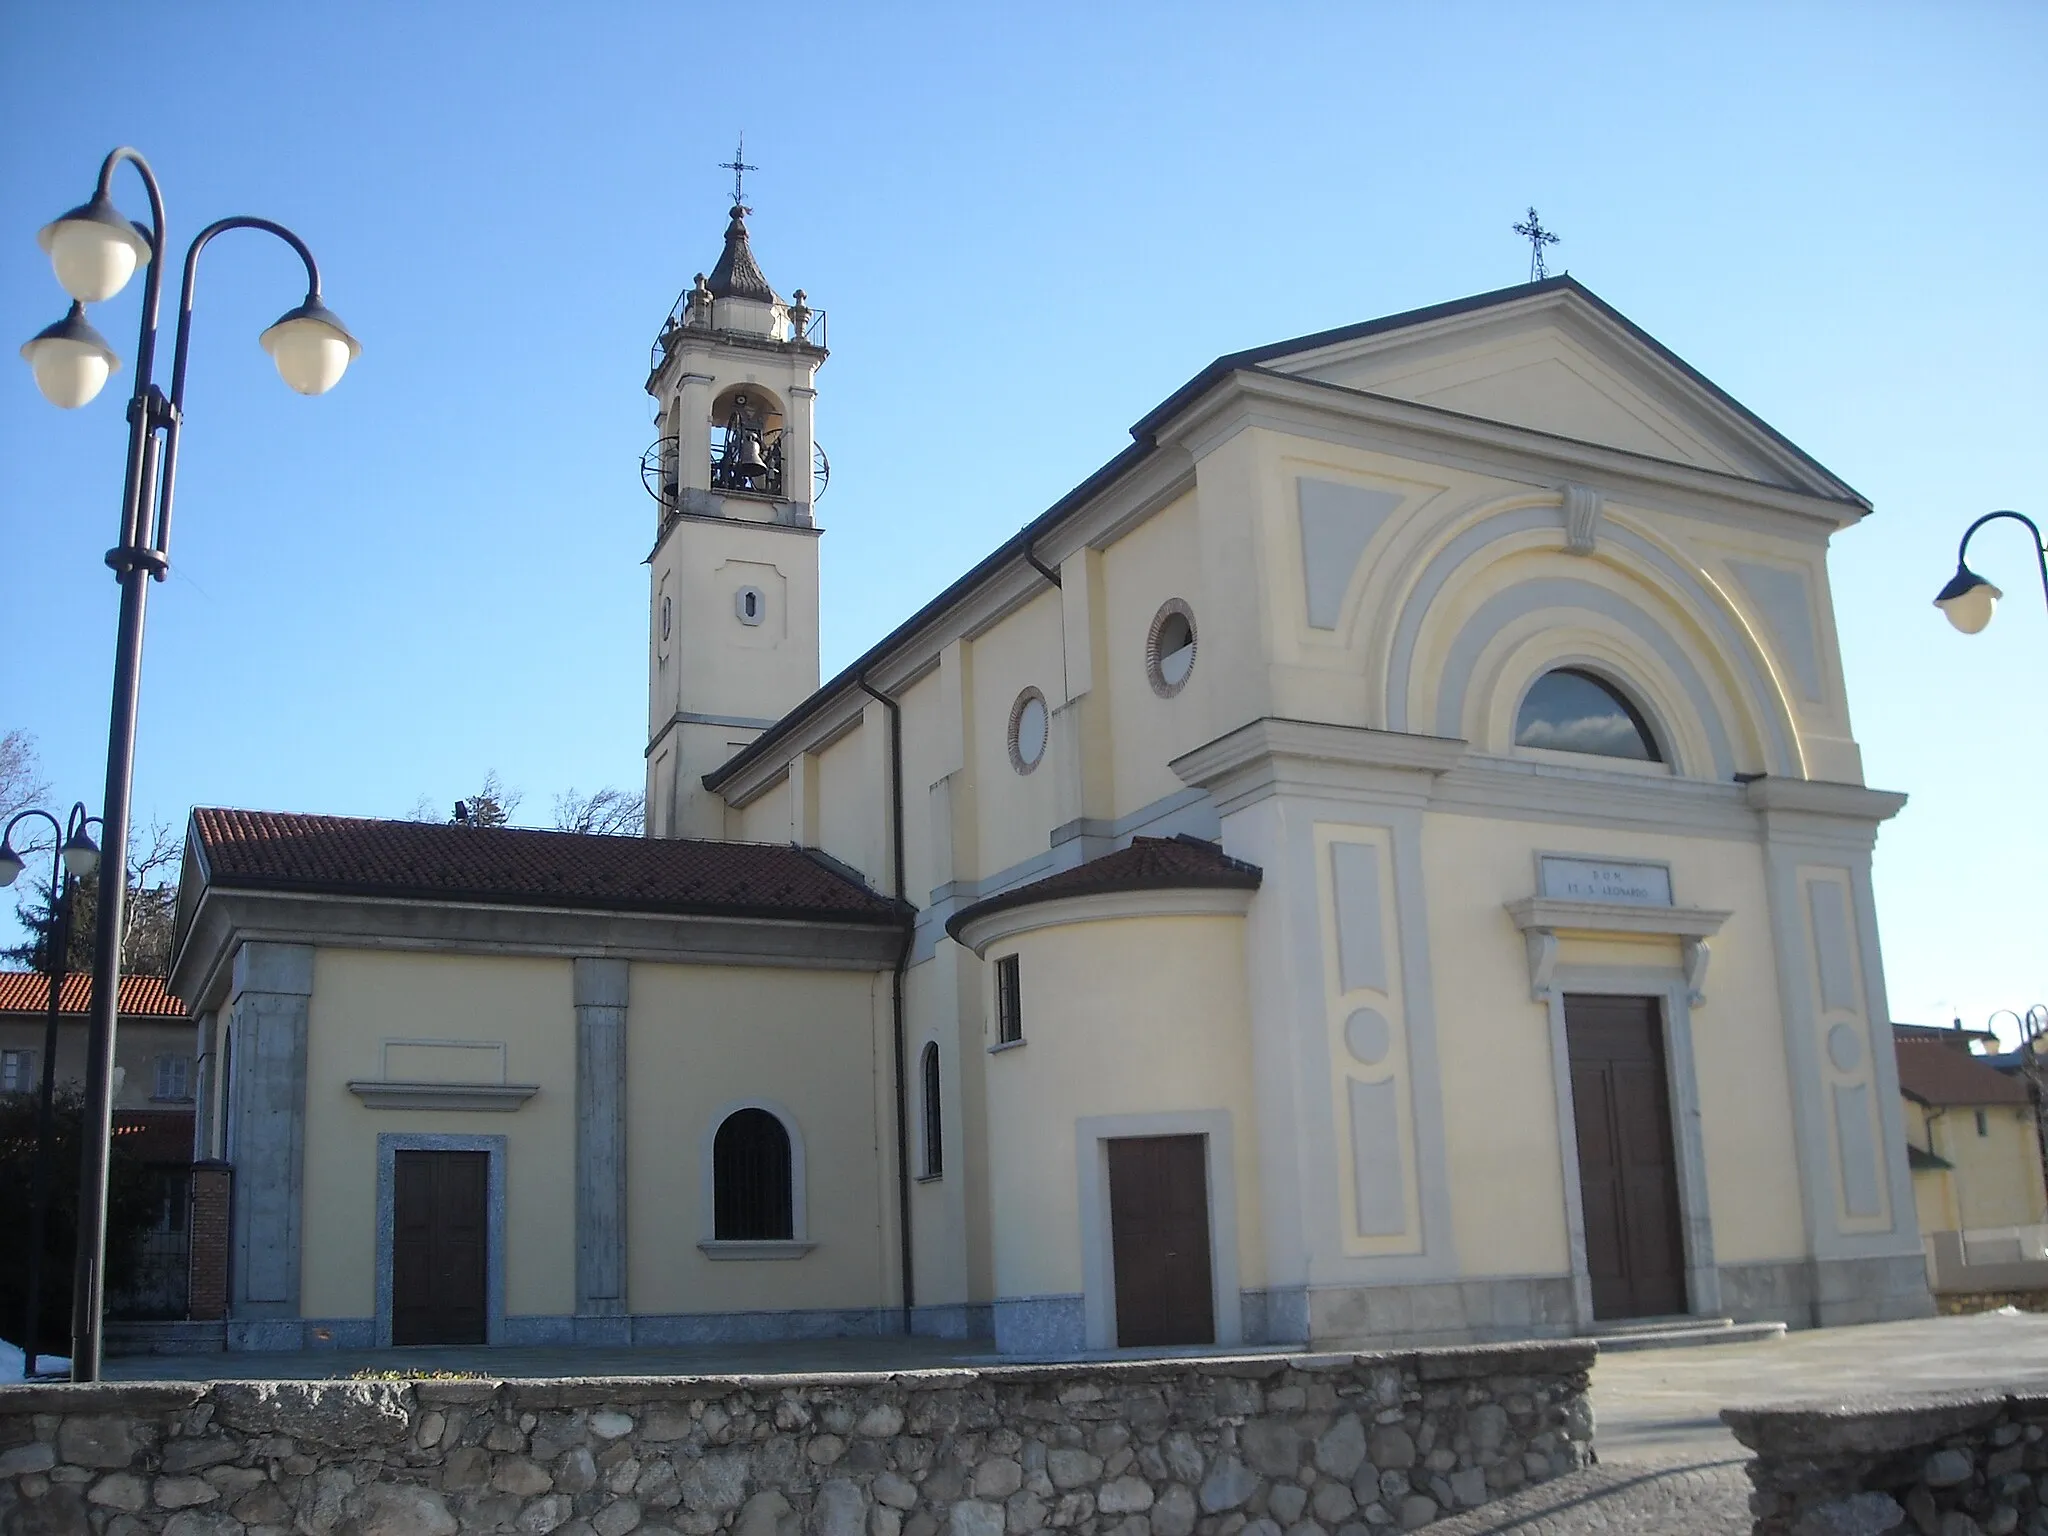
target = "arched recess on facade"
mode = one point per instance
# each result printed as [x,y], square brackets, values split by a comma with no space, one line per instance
[1503,600]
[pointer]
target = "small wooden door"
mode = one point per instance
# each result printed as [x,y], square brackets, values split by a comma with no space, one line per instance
[439,1247]
[1628,1170]
[1159,1240]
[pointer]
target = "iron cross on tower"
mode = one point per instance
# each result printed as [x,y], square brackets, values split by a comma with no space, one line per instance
[739,168]
[1538,237]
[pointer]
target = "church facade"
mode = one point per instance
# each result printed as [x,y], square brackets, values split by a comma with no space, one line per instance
[1384,859]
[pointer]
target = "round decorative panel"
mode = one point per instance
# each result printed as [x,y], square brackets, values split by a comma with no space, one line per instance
[1368,1036]
[1030,726]
[1845,1048]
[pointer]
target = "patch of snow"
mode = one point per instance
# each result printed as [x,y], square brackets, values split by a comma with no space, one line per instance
[11,1364]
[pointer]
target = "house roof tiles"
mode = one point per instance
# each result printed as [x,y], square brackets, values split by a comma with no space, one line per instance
[518,866]
[141,996]
[1937,1074]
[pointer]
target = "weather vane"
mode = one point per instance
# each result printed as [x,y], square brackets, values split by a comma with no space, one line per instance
[1538,237]
[739,168]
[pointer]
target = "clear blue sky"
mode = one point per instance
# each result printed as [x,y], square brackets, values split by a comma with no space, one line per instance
[1029,224]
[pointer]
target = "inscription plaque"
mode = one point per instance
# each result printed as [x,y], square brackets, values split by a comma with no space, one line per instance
[1635,885]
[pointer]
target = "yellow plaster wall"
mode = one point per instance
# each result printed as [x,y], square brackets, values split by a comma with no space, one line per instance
[767,819]
[1494,1043]
[362,997]
[1016,810]
[1995,1180]
[137,1044]
[1121,1016]
[700,1038]
[850,808]
[1159,559]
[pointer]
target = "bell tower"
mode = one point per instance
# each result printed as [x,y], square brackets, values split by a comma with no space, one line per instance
[733,616]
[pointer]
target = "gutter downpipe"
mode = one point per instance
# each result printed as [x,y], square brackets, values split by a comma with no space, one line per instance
[897,1000]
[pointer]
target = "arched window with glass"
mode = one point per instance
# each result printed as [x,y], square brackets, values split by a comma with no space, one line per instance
[934,1125]
[1570,709]
[753,1197]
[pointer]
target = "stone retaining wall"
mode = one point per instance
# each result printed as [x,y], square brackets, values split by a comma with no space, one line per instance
[1953,1464]
[1334,1445]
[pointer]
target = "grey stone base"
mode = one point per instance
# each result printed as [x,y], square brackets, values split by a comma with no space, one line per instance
[1443,1312]
[1277,1316]
[540,1330]
[1777,1292]
[954,1320]
[1877,1290]
[1825,1293]
[1040,1325]
[294,1334]
[172,1338]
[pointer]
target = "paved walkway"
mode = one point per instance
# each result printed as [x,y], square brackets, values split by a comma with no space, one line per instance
[1667,1466]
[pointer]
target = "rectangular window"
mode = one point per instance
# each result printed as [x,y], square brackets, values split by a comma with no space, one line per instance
[1983,1123]
[1009,1003]
[17,1071]
[173,1077]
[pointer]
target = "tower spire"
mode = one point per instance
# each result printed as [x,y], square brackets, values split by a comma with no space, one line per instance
[738,275]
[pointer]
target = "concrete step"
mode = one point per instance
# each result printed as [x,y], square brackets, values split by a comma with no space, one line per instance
[1680,1333]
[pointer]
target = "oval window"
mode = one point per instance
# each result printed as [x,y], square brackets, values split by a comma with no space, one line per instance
[749,604]
[1029,726]
[1573,711]
[1170,648]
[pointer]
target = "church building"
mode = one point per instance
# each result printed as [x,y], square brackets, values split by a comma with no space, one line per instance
[1383,860]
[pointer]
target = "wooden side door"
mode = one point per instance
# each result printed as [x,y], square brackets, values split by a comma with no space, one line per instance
[1628,1168]
[439,1247]
[1159,1240]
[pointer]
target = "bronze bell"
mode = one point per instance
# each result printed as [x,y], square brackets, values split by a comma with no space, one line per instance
[747,460]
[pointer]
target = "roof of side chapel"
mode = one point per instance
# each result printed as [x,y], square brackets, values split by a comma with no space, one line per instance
[520,866]
[1148,864]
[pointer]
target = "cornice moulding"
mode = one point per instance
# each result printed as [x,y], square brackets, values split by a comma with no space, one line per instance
[1820,797]
[1259,757]
[1104,906]
[386,1093]
[1555,914]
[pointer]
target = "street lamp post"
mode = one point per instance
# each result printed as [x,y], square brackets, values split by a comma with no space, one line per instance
[1968,600]
[94,251]
[73,857]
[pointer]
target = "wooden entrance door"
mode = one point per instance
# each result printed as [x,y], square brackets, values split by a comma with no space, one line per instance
[439,1247]
[1628,1170]
[1159,1240]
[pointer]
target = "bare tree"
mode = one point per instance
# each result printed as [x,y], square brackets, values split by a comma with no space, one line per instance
[21,779]
[609,812]
[156,854]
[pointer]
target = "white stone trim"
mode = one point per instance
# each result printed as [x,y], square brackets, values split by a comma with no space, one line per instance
[1102,906]
[707,1183]
[387,1093]
[754,1248]
[1098,1268]
[1272,755]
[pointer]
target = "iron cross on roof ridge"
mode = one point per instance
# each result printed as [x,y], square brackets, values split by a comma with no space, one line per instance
[1538,237]
[739,168]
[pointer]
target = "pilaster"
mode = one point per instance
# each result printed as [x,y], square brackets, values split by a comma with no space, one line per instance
[601,990]
[270,1006]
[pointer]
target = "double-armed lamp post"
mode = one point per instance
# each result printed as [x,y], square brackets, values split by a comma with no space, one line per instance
[1969,599]
[95,250]
[73,857]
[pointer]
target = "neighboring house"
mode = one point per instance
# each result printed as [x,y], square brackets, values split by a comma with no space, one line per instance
[1970,1134]
[1269,899]
[154,1076]
[152,1053]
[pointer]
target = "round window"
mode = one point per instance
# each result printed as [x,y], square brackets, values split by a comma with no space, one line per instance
[1170,648]
[1029,727]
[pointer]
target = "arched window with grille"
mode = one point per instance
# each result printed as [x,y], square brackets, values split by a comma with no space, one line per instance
[934,1126]
[753,1196]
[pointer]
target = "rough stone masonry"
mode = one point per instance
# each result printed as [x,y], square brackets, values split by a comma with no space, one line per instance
[1331,1445]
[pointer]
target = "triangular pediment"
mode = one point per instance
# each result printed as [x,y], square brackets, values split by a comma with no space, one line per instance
[1553,358]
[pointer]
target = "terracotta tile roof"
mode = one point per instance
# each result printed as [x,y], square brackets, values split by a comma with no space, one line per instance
[518,866]
[1933,1073]
[1149,864]
[142,996]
